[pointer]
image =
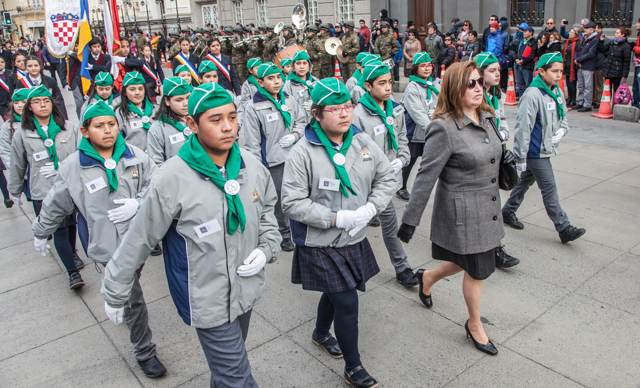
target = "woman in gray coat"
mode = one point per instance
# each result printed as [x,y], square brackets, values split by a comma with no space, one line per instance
[462,153]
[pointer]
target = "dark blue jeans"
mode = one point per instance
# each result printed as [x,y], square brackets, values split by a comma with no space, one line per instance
[636,87]
[64,240]
[341,308]
[3,186]
[523,80]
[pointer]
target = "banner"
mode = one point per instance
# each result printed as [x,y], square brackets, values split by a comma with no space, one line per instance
[62,19]
[83,45]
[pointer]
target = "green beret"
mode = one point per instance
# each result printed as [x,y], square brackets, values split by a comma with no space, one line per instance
[208,96]
[370,59]
[286,62]
[104,79]
[421,57]
[267,69]
[486,59]
[377,56]
[361,56]
[179,69]
[374,70]
[253,62]
[300,56]
[38,91]
[330,91]
[99,108]
[20,94]
[175,86]
[549,58]
[133,78]
[206,66]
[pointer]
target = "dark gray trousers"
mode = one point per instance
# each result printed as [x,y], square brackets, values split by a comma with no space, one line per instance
[137,318]
[389,225]
[283,222]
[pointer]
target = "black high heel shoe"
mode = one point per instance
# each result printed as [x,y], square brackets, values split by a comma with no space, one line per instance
[426,299]
[488,348]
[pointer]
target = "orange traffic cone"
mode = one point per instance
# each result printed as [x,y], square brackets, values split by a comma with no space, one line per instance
[338,75]
[605,104]
[163,59]
[169,65]
[511,91]
[442,71]
[561,84]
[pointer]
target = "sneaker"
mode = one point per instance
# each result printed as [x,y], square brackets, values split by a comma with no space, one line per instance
[571,233]
[403,195]
[77,260]
[511,219]
[504,260]
[407,278]
[8,202]
[583,109]
[287,245]
[375,221]
[156,251]
[75,280]
[152,367]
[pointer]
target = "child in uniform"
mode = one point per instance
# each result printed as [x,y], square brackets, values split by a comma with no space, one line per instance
[135,110]
[7,130]
[353,80]
[300,81]
[102,88]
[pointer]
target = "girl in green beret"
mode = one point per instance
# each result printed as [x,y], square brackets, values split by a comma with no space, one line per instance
[207,72]
[300,82]
[250,86]
[37,149]
[286,65]
[353,80]
[7,130]
[183,72]
[102,89]
[35,77]
[135,111]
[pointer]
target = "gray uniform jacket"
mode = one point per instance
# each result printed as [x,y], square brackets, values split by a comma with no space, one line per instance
[5,142]
[164,141]
[537,122]
[28,151]
[132,129]
[373,126]
[504,126]
[312,209]
[351,83]
[300,92]
[82,184]
[357,92]
[201,257]
[464,159]
[419,109]
[248,90]
[114,103]
[264,127]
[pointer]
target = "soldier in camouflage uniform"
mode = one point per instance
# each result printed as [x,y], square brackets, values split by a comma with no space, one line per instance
[239,54]
[256,47]
[386,44]
[270,46]
[226,45]
[200,44]
[310,46]
[351,44]
[323,59]
[289,37]
[175,46]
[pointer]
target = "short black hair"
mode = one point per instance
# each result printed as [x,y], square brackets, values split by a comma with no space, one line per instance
[183,39]
[474,33]
[494,16]
[599,25]
[95,40]
[362,20]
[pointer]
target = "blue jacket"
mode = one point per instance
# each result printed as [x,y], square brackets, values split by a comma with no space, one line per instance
[46,55]
[495,43]
[588,55]
[398,57]
[506,38]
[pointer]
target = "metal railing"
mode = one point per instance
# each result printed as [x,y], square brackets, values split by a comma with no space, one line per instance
[614,18]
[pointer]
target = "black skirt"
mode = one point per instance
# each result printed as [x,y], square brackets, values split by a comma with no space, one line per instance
[330,269]
[478,265]
[416,149]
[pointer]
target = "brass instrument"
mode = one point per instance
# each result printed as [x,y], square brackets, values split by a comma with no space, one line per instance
[278,31]
[331,45]
[256,37]
[299,19]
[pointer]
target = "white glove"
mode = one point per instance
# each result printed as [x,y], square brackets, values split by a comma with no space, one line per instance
[115,315]
[253,264]
[307,105]
[364,214]
[41,246]
[397,165]
[287,141]
[123,213]
[17,200]
[556,138]
[86,96]
[48,170]
[89,66]
[505,135]
[68,87]
[430,113]
[521,166]
[118,59]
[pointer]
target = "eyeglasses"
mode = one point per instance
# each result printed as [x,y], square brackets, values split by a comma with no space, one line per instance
[425,65]
[41,102]
[338,109]
[471,84]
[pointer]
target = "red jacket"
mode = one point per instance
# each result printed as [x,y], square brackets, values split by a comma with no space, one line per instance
[366,34]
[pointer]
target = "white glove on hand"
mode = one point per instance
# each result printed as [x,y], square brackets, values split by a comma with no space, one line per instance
[521,166]
[430,113]
[41,246]
[123,213]
[115,315]
[89,66]
[118,59]
[68,87]
[556,138]
[505,135]
[397,165]
[253,264]
[86,97]
[48,170]
[345,219]
[17,200]
[363,215]
[307,105]
[287,141]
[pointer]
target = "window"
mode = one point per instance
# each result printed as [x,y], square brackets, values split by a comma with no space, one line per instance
[313,10]
[238,12]
[210,15]
[612,13]
[528,11]
[345,10]
[263,13]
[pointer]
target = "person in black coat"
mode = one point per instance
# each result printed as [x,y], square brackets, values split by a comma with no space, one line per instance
[35,76]
[616,65]
[185,43]
[548,44]
[448,53]
[230,84]
[5,52]
[6,91]
[471,48]
[152,68]
[98,60]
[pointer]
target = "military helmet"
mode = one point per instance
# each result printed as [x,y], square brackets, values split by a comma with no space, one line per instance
[238,30]
[325,27]
[288,27]
[385,24]
[174,35]
[349,24]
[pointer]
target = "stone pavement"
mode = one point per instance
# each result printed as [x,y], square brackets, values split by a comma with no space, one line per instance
[567,316]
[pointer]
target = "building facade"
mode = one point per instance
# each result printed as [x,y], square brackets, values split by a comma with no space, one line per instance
[27,19]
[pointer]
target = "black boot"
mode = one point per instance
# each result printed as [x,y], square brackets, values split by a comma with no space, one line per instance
[77,260]
[152,367]
[571,233]
[156,251]
[75,280]
[504,260]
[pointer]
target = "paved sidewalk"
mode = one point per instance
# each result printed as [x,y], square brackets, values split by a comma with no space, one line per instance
[567,316]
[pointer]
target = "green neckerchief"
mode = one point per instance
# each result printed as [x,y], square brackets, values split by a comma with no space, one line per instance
[168,120]
[286,116]
[294,76]
[494,103]
[539,83]
[253,80]
[197,158]
[373,106]
[430,86]
[17,118]
[108,102]
[341,171]
[148,111]
[357,74]
[52,131]
[118,150]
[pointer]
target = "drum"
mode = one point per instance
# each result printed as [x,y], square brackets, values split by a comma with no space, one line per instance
[287,52]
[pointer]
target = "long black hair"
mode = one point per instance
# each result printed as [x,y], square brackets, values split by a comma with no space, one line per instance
[35,58]
[165,109]
[92,91]
[124,101]
[28,117]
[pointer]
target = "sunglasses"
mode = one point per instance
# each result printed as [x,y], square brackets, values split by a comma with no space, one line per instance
[466,25]
[549,23]
[471,84]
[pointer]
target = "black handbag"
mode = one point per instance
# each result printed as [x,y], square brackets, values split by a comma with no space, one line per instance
[508,177]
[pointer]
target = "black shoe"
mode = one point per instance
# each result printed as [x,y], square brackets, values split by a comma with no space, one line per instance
[287,245]
[77,260]
[8,202]
[375,221]
[571,233]
[583,109]
[511,219]
[367,382]
[426,299]
[157,251]
[403,195]
[576,107]
[50,237]
[152,367]
[407,278]
[596,106]
[333,349]
[488,348]
[75,280]
[504,260]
